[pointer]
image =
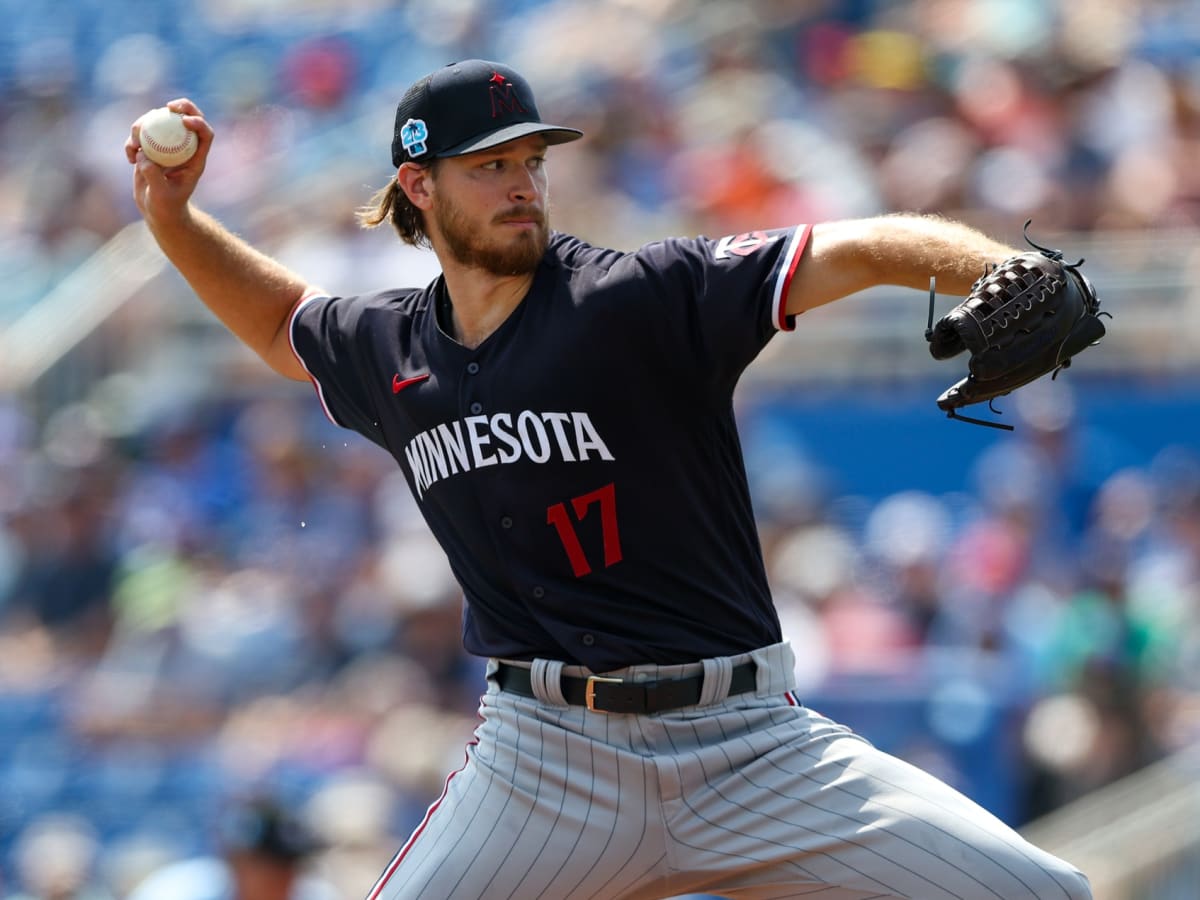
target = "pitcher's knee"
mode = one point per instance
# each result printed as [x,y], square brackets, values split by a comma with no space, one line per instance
[1080,888]
[1031,874]
[1070,883]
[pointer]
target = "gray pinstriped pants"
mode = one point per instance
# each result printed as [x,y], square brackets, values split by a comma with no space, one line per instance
[748,797]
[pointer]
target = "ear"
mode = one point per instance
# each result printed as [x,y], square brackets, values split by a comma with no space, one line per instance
[417,183]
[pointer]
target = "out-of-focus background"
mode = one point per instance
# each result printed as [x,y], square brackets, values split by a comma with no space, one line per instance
[208,591]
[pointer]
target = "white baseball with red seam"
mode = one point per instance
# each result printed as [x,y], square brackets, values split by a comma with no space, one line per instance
[165,139]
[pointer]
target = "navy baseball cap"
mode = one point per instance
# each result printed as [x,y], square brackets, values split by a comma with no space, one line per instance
[468,106]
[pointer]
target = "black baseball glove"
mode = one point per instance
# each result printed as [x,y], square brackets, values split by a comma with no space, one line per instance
[1023,318]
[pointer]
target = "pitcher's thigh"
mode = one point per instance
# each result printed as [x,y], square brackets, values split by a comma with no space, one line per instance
[827,808]
[505,834]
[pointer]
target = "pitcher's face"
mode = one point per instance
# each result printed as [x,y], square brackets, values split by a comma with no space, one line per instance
[490,207]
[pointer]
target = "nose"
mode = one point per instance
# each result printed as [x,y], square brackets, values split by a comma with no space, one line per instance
[524,188]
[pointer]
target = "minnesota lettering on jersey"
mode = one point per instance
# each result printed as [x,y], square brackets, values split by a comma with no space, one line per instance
[500,439]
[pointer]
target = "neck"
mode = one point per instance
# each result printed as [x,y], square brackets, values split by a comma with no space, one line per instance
[481,302]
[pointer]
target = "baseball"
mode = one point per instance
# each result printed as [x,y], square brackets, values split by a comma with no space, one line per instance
[165,139]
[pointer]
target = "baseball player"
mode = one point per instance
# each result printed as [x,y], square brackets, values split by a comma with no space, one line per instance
[563,416]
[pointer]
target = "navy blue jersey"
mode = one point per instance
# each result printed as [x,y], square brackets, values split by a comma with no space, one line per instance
[581,468]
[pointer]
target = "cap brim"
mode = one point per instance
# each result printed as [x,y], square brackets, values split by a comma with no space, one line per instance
[554,134]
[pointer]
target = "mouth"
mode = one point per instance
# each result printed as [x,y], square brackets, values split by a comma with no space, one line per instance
[521,219]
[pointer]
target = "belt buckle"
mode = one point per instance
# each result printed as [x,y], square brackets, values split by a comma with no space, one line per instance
[590,692]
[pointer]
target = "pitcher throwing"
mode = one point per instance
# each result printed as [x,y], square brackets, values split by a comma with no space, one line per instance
[563,415]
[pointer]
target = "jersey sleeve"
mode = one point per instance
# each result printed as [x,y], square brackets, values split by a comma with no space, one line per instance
[322,333]
[726,296]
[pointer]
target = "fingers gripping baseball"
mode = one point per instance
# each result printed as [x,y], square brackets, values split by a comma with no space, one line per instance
[162,191]
[192,119]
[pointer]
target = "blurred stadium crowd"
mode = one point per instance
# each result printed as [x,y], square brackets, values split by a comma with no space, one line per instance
[209,589]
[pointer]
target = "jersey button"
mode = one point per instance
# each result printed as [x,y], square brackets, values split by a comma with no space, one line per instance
[539,592]
[506,522]
[473,368]
[476,408]
[588,640]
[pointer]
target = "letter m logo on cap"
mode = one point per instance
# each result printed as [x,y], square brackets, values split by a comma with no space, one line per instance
[504,96]
[413,136]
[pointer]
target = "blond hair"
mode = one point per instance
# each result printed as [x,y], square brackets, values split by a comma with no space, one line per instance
[391,204]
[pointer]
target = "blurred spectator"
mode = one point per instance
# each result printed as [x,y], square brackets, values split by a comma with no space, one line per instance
[264,850]
[68,565]
[56,859]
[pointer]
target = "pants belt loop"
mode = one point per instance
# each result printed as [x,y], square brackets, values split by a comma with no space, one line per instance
[546,680]
[776,668]
[718,673]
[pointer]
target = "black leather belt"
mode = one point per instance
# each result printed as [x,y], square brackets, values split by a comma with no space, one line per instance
[614,695]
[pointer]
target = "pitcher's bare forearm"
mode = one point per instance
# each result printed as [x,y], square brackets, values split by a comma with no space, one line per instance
[247,290]
[842,258]
[250,292]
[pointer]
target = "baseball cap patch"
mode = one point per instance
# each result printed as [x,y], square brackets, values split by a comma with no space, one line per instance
[413,135]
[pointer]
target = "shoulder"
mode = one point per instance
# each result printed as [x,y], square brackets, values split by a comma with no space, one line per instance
[571,253]
[203,878]
[399,308]
[397,301]
[580,259]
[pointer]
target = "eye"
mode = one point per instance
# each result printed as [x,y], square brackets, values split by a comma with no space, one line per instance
[537,162]
[493,165]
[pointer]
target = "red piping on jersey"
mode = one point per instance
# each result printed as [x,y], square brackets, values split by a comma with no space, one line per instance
[795,251]
[403,851]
